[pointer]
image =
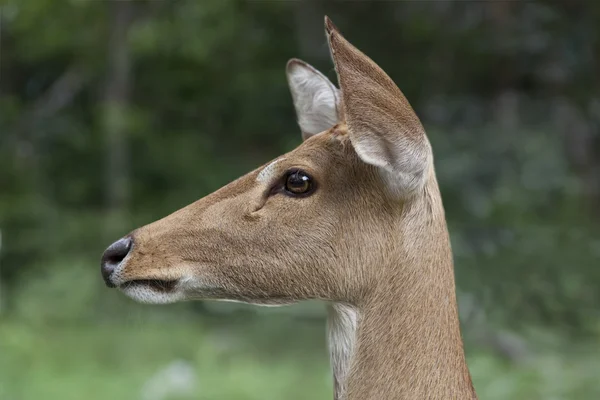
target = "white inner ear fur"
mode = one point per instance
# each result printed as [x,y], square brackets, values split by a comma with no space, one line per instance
[316,99]
[403,165]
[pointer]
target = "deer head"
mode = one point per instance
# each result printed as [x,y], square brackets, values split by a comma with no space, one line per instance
[352,216]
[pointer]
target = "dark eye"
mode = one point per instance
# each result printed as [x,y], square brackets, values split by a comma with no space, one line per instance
[298,183]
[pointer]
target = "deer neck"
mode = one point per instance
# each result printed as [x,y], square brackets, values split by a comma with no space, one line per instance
[403,341]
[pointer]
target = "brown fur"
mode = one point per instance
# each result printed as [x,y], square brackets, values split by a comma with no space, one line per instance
[354,241]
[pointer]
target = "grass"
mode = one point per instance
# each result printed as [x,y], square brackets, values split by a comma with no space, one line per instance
[235,358]
[114,361]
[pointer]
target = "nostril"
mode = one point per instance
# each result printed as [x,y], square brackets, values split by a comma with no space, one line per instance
[112,257]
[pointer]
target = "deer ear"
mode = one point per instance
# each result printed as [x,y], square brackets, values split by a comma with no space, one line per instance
[316,99]
[383,128]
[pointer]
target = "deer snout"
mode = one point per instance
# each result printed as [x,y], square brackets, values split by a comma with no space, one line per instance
[112,257]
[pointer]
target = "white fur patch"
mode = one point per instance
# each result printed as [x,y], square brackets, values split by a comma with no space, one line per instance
[267,174]
[342,324]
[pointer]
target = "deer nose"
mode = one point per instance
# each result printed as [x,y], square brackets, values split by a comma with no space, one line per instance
[112,257]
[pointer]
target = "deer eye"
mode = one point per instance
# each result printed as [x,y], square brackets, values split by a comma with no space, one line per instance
[298,183]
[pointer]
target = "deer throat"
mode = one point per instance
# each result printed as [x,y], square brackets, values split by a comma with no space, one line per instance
[391,351]
[403,340]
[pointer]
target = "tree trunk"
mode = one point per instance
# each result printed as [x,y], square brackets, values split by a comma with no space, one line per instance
[114,117]
[308,22]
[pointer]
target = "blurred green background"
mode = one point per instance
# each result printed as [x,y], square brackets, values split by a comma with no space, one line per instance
[114,114]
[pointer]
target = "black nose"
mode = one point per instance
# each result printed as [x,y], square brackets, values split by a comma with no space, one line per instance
[112,257]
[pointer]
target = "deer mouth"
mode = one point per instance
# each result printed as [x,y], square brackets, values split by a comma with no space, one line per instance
[158,285]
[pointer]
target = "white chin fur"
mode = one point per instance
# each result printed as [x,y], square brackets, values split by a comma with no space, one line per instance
[148,295]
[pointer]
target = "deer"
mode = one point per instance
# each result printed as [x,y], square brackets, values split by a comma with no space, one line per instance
[352,217]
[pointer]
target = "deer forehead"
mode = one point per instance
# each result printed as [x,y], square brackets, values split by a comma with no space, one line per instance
[326,154]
